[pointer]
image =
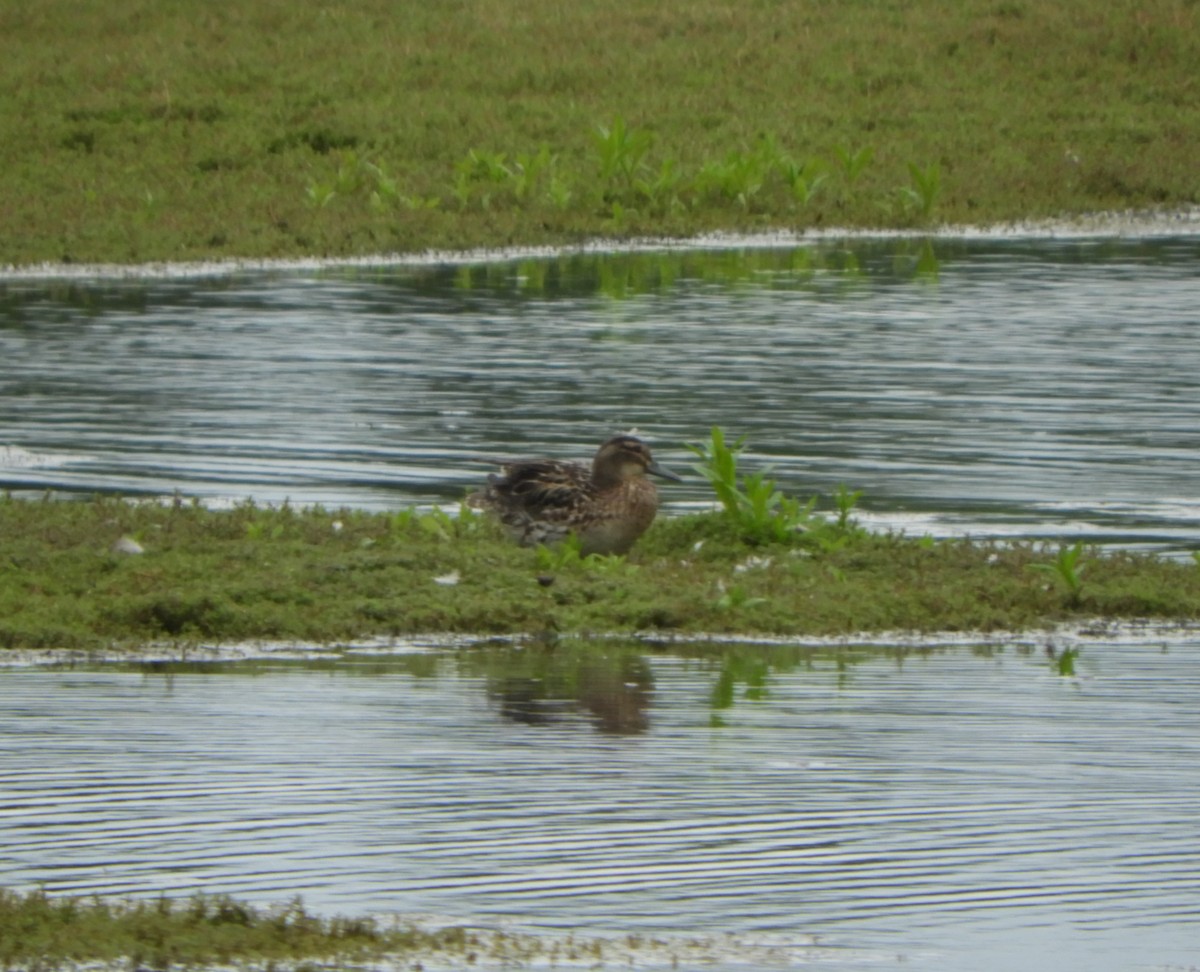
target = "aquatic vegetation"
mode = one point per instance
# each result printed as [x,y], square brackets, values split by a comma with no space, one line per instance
[48,932]
[920,196]
[1067,568]
[853,162]
[760,511]
[621,151]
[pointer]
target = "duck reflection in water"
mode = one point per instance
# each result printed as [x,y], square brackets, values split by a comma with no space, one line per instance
[615,692]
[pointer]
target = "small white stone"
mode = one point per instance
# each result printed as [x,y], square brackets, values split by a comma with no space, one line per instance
[127,545]
[447,580]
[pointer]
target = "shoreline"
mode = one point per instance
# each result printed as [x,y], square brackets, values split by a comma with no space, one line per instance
[1102,225]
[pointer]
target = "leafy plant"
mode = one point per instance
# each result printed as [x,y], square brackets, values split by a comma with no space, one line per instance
[803,178]
[1067,568]
[622,151]
[853,162]
[845,500]
[478,175]
[760,512]
[738,177]
[568,553]
[921,195]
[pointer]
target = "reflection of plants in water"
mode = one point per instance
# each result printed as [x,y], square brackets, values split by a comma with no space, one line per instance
[543,683]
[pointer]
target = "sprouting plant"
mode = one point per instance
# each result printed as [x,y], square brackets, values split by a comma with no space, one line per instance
[736,597]
[559,191]
[845,500]
[738,177]
[479,173]
[803,178]
[760,511]
[622,151]
[1067,568]
[527,170]
[920,196]
[853,162]
[661,191]
[568,553]
[262,529]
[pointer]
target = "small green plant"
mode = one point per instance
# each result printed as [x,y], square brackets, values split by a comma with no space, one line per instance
[1067,568]
[568,553]
[478,176]
[761,513]
[259,530]
[738,177]
[803,178]
[622,151]
[661,191]
[1196,557]
[732,598]
[853,162]
[845,500]
[921,195]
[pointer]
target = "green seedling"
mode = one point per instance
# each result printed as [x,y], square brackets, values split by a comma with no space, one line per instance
[803,178]
[1067,568]
[760,511]
[921,195]
[852,163]
[621,151]
[846,500]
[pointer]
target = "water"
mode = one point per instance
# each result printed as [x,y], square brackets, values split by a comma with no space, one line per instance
[1029,388]
[953,808]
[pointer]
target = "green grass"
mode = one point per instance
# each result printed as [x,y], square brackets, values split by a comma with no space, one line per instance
[148,131]
[324,576]
[51,932]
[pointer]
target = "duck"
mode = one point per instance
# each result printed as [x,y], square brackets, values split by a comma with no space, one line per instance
[607,505]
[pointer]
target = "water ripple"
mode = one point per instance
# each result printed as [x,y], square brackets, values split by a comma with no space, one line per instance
[929,805]
[1046,386]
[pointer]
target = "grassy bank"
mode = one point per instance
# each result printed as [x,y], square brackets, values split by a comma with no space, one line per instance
[314,575]
[44,932]
[146,131]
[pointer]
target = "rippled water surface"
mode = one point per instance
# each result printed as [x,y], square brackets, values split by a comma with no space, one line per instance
[1036,387]
[951,808]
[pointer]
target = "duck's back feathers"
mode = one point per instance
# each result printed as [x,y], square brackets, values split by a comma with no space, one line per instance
[607,505]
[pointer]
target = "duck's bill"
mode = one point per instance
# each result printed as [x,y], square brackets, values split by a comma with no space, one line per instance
[654,469]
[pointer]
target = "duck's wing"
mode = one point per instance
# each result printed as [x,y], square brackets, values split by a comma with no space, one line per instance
[541,485]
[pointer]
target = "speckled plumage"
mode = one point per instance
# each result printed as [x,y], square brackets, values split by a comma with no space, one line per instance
[607,505]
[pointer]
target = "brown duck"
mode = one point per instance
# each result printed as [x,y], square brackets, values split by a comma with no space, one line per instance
[607,505]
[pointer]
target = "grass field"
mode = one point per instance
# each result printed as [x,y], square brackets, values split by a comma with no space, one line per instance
[319,576]
[147,131]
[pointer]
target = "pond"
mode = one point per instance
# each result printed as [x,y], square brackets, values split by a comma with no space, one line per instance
[951,807]
[987,387]
[950,803]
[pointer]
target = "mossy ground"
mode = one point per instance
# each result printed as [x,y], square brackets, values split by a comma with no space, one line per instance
[45,932]
[323,576]
[148,131]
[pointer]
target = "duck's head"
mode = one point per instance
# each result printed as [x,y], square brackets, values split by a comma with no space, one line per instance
[626,457]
